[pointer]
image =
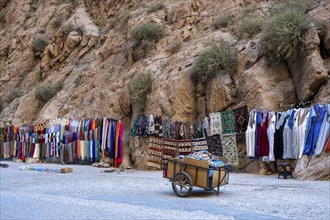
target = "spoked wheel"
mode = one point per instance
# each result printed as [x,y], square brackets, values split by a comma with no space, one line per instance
[182,184]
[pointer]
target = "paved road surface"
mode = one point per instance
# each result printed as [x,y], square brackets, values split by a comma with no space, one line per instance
[89,193]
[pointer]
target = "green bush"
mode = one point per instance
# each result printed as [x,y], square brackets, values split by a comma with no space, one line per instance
[249,26]
[156,7]
[148,31]
[222,21]
[56,23]
[44,93]
[283,34]
[218,56]
[140,86]
[39,44]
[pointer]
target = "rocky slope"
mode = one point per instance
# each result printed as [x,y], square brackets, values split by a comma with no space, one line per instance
[87,46]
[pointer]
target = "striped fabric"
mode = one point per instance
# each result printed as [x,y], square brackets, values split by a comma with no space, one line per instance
[155,152]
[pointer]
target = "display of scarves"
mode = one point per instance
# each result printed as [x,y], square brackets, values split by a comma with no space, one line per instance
[228,122]
[214,145]
[230,149]
[155,152]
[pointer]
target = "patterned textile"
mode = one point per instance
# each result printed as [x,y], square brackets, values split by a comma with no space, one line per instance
[214,145]
[199,144]
[215,123]
[241,119]
[184,147]
[228,122]
[170,148]
[155,152]
[230,149]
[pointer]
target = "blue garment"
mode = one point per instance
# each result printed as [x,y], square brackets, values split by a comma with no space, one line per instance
[316,117]
[291,119]
[258,121]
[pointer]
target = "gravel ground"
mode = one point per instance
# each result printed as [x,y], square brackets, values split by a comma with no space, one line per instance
[89,193]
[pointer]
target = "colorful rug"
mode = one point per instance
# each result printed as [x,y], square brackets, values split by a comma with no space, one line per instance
[199,144]
[241,119]
[170,148]
[228,122]
[230,149]
[155,152]
[214,145]
[215,123]
[184,147]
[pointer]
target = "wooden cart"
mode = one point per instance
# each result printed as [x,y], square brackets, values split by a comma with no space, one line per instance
[187,173]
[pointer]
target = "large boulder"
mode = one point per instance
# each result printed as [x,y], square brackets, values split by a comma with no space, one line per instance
[313,168]
[267,86]
[307,68]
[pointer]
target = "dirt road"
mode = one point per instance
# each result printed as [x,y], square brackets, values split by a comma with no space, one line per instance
[89,193]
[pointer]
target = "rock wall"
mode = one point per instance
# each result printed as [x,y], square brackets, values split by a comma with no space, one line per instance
[87,46]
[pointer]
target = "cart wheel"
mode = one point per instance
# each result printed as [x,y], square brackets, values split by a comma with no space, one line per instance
[182,184]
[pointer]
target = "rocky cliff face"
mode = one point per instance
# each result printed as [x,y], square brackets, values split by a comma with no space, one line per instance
[87,45]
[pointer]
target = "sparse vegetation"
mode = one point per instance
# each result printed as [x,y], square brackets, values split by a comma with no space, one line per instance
[218,56]
[283,34]
[1,104]
[77,80]
[15,93]
[2,16]
[174,47]
[125,16]
[249,26]
[39,43]
[69,27]
[44,93]
[28,15]
[156,7]
[140,86]
[148,31]
[249,23]
[223,20]
[56,23]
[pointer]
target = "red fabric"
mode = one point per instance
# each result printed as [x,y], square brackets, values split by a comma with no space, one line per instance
[327,144]
[263,144]
[121,132]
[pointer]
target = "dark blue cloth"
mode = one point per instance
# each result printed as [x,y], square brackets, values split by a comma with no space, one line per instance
[316,118]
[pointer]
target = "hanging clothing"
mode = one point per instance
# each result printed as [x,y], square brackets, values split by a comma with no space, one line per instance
[289,139]
[206,127]
[302,118]
[151,124]
[250,134]
[263,144]
[281,118]
[324,132]
[316,117]
[270,135]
